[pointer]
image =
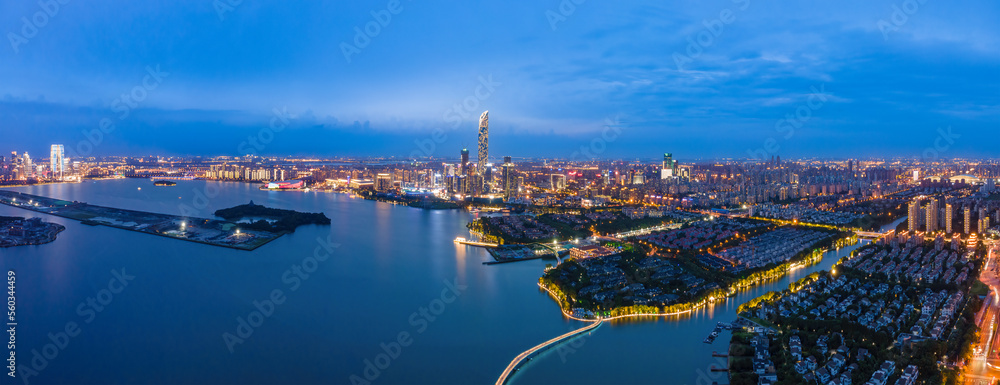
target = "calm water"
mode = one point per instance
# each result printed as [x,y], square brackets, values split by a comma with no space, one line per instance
[166,326]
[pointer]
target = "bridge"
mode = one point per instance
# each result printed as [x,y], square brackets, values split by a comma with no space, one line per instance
[523,358]
[869,234]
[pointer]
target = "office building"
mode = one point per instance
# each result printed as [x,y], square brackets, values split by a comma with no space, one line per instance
[508,179]
[465,162]
[669,168]
[57,161]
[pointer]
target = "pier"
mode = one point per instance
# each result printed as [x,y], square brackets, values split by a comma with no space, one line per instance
[463,241]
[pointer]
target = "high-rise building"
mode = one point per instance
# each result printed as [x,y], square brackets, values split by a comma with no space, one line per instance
[932,215]
[57,161]
[949,213]
[508,179]
[968,220]
[27,168]
[669,166]
[913,213]
[484,142]
[465,161]
[984,224]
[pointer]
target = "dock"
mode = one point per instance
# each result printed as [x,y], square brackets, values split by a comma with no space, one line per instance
[463,241]
[511,260]
[715,332]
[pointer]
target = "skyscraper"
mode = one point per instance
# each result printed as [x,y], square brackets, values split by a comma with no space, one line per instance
[29,169]
[507,179]
[465,162]
[484,142]
[56,161]
[669,166]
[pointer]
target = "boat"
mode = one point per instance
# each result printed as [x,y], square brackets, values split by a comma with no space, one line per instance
[164,183]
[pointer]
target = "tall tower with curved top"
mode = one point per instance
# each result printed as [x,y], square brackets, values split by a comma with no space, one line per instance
[484,142]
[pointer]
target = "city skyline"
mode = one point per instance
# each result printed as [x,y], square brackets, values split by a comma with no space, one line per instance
[700,192]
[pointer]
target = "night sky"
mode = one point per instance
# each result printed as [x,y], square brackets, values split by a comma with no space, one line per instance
[700,79]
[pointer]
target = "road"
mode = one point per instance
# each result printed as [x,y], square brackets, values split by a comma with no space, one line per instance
[985,366]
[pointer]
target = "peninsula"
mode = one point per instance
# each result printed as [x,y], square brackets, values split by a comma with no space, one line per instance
[17,231]
[200,230]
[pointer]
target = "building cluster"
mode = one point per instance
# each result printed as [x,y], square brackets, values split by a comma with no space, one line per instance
[247,173]
[702,234]
[666,283]
[21,167]
[802,213]
[772,247]
[522,227]
[950,210]
[905,311]
[914,264]
[31,231]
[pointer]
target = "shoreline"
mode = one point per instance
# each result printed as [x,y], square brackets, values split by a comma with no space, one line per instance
[786,268]
[263,240]
[52,236]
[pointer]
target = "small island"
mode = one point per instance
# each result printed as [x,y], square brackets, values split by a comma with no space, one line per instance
[18,231]
[164,183]
[270,219]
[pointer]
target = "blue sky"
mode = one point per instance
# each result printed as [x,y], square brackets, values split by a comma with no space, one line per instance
[706,78]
